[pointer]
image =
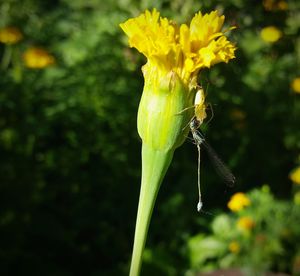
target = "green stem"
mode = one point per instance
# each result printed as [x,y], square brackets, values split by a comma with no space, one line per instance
[154,166]
[6,57]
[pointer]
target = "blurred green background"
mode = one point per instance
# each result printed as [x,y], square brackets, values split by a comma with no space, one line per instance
[70,152]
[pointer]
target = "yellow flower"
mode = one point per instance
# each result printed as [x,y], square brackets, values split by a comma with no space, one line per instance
[238,201]
[274,5]
[296,85]
[234,247]
[175,55]
[37,58]
[295,175]
[10,35]
[282,5]
[184,49]
[245,223]
[270,34]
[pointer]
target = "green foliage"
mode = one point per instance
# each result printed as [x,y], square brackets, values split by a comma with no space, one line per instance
[70,153]
[270,239]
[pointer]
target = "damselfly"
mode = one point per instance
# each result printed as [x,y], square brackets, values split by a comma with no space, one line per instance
[219,165]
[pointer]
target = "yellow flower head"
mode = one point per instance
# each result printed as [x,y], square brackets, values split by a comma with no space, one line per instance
[282,5]
[234,247]
[245,223]
[175,54]
[37,58]
[270,34]
[238,201]
[296,85]
[183,49]
[10,35]
[295,175]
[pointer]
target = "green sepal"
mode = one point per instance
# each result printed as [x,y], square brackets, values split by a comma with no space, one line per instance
[164,112]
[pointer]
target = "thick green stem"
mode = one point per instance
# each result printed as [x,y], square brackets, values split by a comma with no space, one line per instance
[154,166]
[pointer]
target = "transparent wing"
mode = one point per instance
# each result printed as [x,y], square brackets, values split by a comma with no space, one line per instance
[219,165]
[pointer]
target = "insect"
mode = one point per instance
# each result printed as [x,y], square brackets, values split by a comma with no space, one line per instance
[199,140]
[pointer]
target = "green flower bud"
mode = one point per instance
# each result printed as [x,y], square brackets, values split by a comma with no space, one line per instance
[164,112]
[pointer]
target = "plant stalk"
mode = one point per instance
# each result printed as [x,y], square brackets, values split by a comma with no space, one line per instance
[154,166]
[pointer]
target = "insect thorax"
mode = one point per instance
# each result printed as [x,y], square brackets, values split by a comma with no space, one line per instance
[194,124]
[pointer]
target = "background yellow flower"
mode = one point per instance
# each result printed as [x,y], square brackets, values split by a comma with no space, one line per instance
[234,247]
[295,175]
[37,58]
[270,34]
[296,85]
[238,201]
[275,5]
[245,223]
[10,35]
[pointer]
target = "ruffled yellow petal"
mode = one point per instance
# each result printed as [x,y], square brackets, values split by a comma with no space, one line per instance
[202,28]
[185,49]
[150,34]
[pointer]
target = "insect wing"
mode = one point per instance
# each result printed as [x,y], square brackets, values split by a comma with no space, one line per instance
[220,167]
